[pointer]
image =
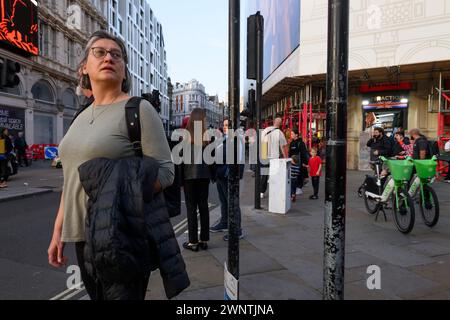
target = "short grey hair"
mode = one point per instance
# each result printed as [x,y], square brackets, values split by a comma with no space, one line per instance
[84,80]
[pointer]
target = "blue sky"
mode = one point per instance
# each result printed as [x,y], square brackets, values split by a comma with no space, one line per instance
[196,39]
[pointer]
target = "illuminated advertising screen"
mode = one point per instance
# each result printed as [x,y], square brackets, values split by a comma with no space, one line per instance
[281,30]
[19,25]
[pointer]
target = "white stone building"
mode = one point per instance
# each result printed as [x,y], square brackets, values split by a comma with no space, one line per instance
[136,23]
[192,95]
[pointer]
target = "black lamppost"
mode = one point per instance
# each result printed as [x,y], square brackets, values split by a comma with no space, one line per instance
[336,161]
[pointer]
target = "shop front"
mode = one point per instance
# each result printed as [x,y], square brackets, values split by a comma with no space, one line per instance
[387,112]
[12,119]
[385,106]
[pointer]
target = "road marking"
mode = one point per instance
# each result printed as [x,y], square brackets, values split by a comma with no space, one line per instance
[73,294]
[180,228]
[64,293]
[178,225]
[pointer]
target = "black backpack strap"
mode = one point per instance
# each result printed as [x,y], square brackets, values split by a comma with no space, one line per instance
[132,117]
[87,102]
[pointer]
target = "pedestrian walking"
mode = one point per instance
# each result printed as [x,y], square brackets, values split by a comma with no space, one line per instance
[21,146]
[196,180]
[315,171]
[298,147]
[6,147]
[112,206]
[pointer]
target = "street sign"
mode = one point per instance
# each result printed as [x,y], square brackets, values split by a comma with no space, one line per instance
[50,153]
[231,285]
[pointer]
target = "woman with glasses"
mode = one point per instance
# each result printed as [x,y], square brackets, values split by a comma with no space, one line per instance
[100,131]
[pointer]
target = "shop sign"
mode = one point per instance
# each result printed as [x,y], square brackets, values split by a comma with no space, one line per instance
[385,102]
[12,119]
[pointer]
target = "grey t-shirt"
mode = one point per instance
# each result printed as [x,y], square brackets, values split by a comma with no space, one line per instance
[106,137]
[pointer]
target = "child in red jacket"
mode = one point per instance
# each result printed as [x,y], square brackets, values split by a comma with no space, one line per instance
[315,172]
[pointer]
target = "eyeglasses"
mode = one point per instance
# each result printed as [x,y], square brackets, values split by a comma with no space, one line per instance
[99,53]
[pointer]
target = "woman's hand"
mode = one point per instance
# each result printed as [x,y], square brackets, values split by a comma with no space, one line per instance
[56,249]
[55,252]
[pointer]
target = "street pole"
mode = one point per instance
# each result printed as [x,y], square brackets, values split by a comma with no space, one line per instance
[259,80]
[233,100]
[336,160]
[255,49]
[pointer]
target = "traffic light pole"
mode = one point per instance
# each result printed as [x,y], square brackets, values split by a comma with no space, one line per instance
[8,73]
[336,160]
[259,80]
[233,100]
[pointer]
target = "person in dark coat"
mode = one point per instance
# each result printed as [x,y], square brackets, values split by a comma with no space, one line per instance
[379,145]
[21,146]
[298,148]
[196,179]
[221,177]
[421,149]
[402,147]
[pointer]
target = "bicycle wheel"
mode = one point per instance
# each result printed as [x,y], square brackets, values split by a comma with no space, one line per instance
[371,204]
[404,213]
[429,207]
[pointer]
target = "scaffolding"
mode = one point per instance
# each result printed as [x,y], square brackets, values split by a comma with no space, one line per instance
[305,110]
[443,111]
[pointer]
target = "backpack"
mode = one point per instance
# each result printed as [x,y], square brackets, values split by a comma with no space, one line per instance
[434,148]
[172,194]
[265,145]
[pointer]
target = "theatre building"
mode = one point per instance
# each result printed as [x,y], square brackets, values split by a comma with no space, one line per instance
[399,68]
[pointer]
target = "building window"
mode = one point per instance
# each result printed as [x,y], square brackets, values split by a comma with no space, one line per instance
[53,35]
[69,100]
[44,129]
[42,39]
[41,90]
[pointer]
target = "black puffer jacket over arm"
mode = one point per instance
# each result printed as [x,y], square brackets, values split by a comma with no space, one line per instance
[128,230]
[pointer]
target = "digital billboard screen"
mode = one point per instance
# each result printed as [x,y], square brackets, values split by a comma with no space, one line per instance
[19,25]
[281,30]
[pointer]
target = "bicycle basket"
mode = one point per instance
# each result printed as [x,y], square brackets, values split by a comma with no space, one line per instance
[400,169]
[425,168]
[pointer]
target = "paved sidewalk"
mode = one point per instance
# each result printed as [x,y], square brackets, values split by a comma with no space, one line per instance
[281,255]
[36,179]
